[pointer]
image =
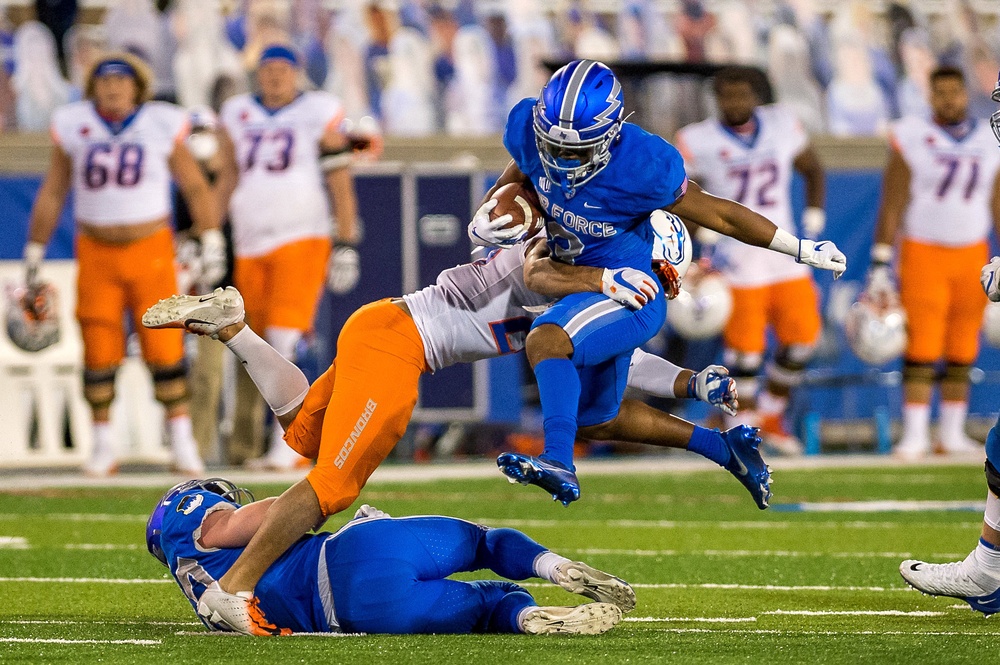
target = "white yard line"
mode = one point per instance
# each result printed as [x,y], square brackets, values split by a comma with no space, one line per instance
[87,580]
[596,551]
[751,587]
[883,506]
[56,640]
[73,622]
[690,619]
[14,543]
[880,633]
[855,613]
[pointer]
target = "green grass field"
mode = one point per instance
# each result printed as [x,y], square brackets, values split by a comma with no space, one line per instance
[717,580]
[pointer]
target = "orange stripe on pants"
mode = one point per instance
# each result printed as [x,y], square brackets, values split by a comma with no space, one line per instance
[944,302]
[369,393]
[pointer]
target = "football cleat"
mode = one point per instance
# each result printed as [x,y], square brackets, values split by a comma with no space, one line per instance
[981,591]
[961,445]
[912,447]
[579,578]
[552,477]
[777,439]
[201,315]
[238,613]
[589,619]
[746,463]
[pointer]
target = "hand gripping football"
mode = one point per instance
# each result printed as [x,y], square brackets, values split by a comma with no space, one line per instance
[522,204]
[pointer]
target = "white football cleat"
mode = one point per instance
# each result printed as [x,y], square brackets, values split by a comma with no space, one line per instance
[201,315]
[187,460]
[235,612]
[912,448]
[101,464]
[959,579]
[589,619]
[579,578]
[962,445]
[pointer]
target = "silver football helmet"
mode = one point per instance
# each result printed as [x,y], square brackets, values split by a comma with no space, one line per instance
[703,307]
[876,334]
[32,316]
[671,251]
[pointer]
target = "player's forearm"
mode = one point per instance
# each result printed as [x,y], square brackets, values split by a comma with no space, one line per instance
[202,203]
[235,528]
[509,175]
[808,164]
[657,376]
[45,214]
[554,279]
[724,216]
[340,183]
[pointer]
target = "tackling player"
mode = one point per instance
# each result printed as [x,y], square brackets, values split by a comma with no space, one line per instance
[749,155]
[377,574]
[942,191]
[117,151]
[479,310]
[285,156]
[598,179]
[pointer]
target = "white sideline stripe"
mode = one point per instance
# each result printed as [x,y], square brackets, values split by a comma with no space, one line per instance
[913,506]
[56,640]
[742,526]
[223,633]
[73,622]
[101,546]
[31,480]
[676,585]
[751,587]
[855,613]
[691,619]
[593,551]
[13,543]
[764,631]
[76,517]
[87,580]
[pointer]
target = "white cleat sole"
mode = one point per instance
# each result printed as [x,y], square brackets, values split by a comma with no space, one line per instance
[579,578]
[589,619]
[204,315]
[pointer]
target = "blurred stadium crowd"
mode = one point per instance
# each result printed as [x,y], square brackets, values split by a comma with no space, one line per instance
[456,66]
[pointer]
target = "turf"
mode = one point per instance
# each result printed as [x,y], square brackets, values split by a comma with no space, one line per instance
[670,534]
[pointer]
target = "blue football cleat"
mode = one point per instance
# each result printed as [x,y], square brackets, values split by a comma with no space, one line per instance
[552,477]
[746,463]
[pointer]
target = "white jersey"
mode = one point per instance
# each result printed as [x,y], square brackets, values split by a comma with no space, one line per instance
[475,310]
[757,172]
[281,196]
[121,173]
[951,181]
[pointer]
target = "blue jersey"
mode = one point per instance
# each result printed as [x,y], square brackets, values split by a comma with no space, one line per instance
[289,592]
[605,223]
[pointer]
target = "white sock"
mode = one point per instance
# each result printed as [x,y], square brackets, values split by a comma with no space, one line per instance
[769,404]
[523,613]
[992,514]
[916,421]
[545,565]
[104,444]
[180,431]
[952,423]
[282,384]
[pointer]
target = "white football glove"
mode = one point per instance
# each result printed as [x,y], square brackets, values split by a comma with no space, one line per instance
[343,270]
[34,254]
[187,257]
[212,259]
[629,286]
[990,279]
[822,254]
[366,511]
[714,386]
[487,233]
[813,221]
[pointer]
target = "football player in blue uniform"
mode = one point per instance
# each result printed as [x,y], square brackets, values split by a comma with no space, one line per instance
[377,574]
[598,179]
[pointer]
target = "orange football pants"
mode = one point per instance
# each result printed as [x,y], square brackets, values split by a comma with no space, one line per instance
[355,413]
[113,279]
[791,307]
[282,289]
[944,302]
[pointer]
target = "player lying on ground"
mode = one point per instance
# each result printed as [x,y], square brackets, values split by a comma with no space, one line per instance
[377,574]
[598,179]
[478,310]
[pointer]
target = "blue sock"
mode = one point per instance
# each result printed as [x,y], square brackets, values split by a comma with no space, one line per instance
[708,443]
[993,446]
[559,391]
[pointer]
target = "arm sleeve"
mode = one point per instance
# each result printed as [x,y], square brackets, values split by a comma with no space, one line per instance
[652,374]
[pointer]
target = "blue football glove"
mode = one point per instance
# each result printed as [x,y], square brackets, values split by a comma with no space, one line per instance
[714,385]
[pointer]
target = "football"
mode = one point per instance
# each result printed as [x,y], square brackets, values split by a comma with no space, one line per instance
[522,204]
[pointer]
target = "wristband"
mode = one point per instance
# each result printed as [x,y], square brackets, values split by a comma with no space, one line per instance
[692,386]
[34,253]
[784,242]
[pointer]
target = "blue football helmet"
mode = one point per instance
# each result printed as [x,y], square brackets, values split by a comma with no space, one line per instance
[576,120]
[228,490]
